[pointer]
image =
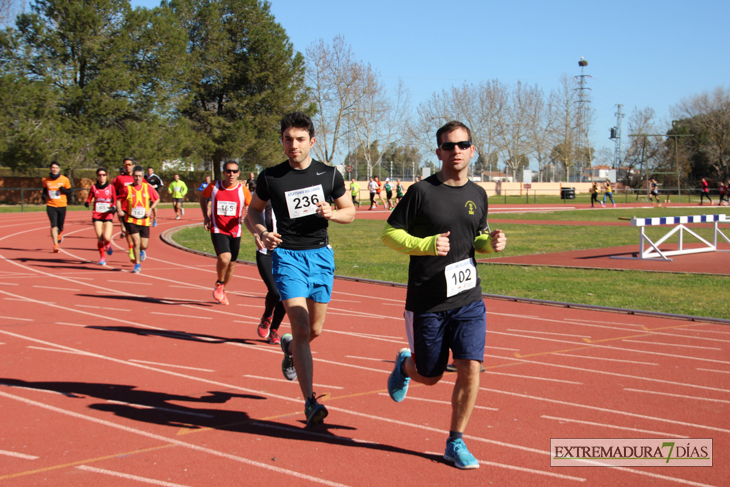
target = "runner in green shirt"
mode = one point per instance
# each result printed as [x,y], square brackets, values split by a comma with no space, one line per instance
[178,189]
[355,192]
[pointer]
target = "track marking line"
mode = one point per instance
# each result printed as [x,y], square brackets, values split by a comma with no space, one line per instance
[535,378]
[181,316]
[72,324]
[371,297]
[580,321]
[56,350]
[131,283]
[105,308]
[613,426]
[256,322]
[559,354]
[27,300]
[436,401]
[616,374]
[521,469]
[696,398]
[381,360]
[13,318]
[713,370]
[548,333]
[58,289]
[605,410]
[127,476]
[18,455]
[8,284]
[165,439]
[289,381]
[671,345]
[501,348]
[158,408]
[657,333]
[170,365]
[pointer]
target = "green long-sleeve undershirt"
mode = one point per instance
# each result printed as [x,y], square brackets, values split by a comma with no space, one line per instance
[405,243]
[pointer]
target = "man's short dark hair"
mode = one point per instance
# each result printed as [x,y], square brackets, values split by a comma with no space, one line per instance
[137,168]
[101,169]
[297,120]
[450,127]
[225,165]
[54,163]
[150,167]
[127,159]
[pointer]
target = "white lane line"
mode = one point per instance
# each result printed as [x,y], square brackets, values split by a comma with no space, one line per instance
[158,408]
[520,469]
[501,348]
[361,314]
[13,318]
[615,374]
[713,370]
[366,296]
[289,381]
[613,426]
[72,324]
[18,455]
[128,476]
[381,360]
[26,300]
[601,322]
[190,286]
[606,410]
[256,322]
[103,308]
[535,378]
[603,358]
[182,316]
[548,333]
[170,365]
[173,441]
[670,344]
[57,289]
[175,300]
[131,283]
[353,301]
[711,339]
[696,398]
[67,394]
[55,350]
[445,403]
[8,284]
[399,341]
[401,305]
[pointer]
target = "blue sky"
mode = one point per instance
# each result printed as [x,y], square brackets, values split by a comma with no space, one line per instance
[641,53]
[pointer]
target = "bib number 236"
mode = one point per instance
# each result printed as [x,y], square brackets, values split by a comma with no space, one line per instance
[303,202]
[460,276]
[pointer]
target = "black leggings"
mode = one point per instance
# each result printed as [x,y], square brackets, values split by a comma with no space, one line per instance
[57,216]
[273,300]
[704,195]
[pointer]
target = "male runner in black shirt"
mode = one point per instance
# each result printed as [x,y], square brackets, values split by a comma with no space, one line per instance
[156,182]
[440,223]
[303,261]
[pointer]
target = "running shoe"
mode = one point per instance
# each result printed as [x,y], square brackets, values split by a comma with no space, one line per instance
[182,211]
[102,261]
[287,365]
[314,411]
[397,382]
[55,249]
[177,217]
[142,255]
[219,292]
[263,328]
[457,452]
[225,299]
[60,238]
[137,269]
[154,223]
[109,250]
[274,338]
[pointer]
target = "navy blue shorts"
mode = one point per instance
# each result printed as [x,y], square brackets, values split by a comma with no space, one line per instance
[304,273]
[431,335]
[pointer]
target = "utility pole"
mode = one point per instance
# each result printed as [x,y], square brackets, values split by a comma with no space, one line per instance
[616,137]
[583,104]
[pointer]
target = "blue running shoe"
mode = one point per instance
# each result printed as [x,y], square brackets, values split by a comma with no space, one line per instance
[154,223]
[142,255]
[137,269]
[287,365]
[314,411]
[397,382]
[109,250]
[457,452]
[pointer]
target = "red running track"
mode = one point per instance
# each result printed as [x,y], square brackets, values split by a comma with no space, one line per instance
[109,378]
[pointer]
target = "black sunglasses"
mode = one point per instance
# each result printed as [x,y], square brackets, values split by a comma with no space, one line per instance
[231,171]
[449,146]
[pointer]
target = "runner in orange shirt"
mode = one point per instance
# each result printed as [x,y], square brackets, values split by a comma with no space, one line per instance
[224,207]
[56,189]
[141,199]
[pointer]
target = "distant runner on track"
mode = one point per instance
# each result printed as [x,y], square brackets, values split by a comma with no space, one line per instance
[104,197]
[303,262]
[120,183]
[224,206]
[440,223]
[56,189]
[141,199]
[178,189]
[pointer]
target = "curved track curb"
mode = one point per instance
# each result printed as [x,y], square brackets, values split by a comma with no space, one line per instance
[166,237]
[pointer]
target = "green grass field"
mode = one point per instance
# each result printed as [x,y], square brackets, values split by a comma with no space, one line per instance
[359,253]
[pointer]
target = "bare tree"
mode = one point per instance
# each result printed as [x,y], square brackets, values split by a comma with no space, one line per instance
[338,83]
[644,151]
[539,125]
[512,131]
[565,128]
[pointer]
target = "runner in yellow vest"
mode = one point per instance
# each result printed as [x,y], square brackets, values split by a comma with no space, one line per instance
[178,189]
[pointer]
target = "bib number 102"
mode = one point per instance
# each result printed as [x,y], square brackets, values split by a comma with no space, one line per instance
[460,276]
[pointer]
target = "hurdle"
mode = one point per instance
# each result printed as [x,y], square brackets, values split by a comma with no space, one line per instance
[653,252]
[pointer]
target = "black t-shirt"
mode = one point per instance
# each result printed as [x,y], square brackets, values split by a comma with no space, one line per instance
[432,208]
[293,192]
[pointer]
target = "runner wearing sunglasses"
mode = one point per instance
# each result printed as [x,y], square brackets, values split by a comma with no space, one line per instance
[440,223]
[224,206]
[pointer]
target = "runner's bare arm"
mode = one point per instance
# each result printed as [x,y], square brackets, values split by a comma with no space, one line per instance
[344,214]
[255,217]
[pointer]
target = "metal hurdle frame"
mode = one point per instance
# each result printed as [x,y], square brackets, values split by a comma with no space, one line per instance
[653,253]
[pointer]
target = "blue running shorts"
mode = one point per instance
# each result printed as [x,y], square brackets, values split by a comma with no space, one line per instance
[304,273]
[431,335]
